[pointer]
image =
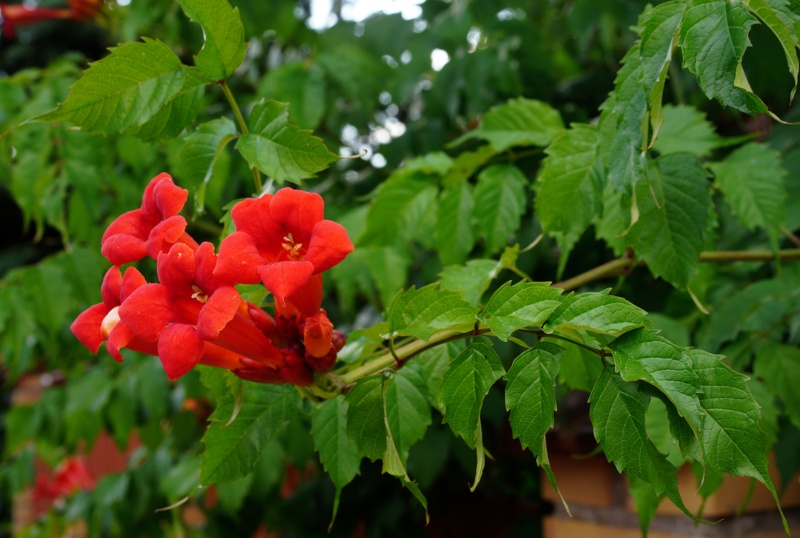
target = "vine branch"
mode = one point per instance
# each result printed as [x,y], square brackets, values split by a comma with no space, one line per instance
[624,264]
[237,112]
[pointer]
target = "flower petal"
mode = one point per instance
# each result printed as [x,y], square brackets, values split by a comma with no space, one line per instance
[111,287]
[283,279]
[218,312]
[164,235]
[162,198]
[297,212]
[132,281]
[147,311]
[179,349]
[238,259]
[318,334]
[329,245]
[86,326]
[176,269]
[252,216]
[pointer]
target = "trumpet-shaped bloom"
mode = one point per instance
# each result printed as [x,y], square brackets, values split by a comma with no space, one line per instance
[71,476]
[101,323]
[151,229]
[284,242]
[191,308]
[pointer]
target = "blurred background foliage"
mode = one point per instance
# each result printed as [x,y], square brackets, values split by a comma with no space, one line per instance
[392,89]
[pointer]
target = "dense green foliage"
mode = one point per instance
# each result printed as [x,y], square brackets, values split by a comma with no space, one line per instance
[651,166]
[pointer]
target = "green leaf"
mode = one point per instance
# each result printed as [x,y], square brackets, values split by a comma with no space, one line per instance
[596,312]
[233,449]
[434,363]
[302,86]
[426,311]
[772,13]
[177,114]
[686,129]
[466,382]
[454,231]
[530,395]
[500,203]
[733,443]
[401,204]
[202,147]
[408,413]
[580,368]
[659,36]
[278,148]
[569,187]
[779,366]
[752,180]
[524,304]
[714,37]
[123,90]
[365,422]
[617,412]
[520,122]
[644,356]
[181,479]
[646,502]
[224,46]
[674,204]
[121,409]
[339,456]
[473,278]
[622,127]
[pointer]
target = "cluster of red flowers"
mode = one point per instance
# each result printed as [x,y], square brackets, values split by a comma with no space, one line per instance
[14,15]
[195,315]
[71,476]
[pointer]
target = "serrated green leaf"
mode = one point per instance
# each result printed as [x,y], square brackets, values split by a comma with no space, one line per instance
[224,46]
[773,17]
[464,166]
[278,148]
[454,235]
[732,441]
[686,129]
[530,395]
[519,122]
[617,411]
[473,278]
[500,203]
[778,365]
[365,421]
[646,502]
[524,304]
[714,37]
[467,380]
[752,180]
[644,356]
[302,86]
[659,36]
[622,128]
[596,312]
[674,204]
[569,186]
[337,453]
[177,114]
[434,363]
[233,449]
[408,412]
[579,369]
[428,310]
[201,148]
[401,204]
[770,414]
[124,89]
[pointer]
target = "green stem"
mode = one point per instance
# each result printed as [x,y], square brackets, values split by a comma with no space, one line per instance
[237,112]
[405,353]
[624,264]
[599,352]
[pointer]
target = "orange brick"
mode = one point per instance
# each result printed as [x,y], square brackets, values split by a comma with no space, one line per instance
[584,481]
